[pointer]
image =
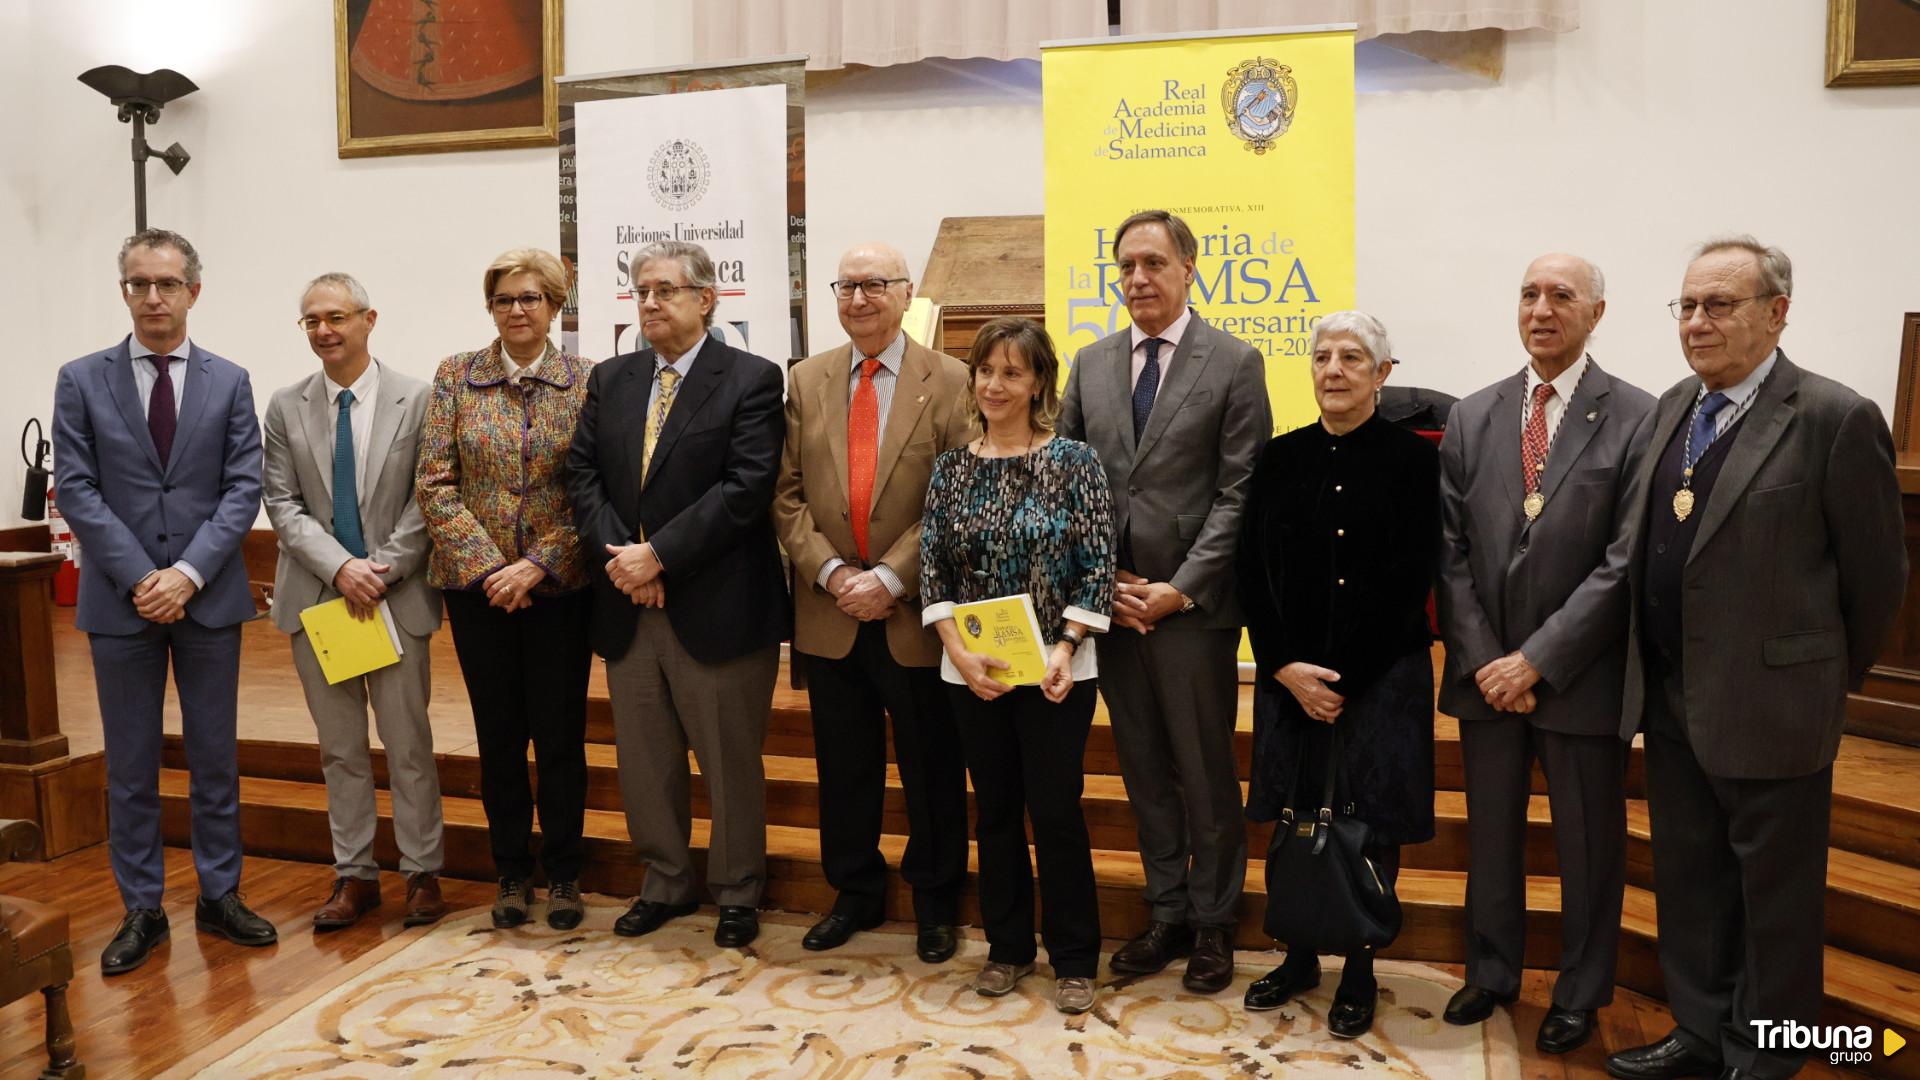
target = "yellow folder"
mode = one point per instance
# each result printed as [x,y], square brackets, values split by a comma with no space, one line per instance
[1005,628]
[348,647]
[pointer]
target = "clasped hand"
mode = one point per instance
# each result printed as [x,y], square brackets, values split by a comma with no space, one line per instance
[359,581]
[1507,683]
[1308,684]
[509,587]
[635,570]
[861,593]
[1138,603]
[162,596]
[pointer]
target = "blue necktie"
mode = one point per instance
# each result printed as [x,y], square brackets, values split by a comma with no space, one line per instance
[1144,390]
[346,499]
[1702,434]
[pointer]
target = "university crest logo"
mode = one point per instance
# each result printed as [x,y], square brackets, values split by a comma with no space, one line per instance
[973,625]
[678,174]
[1259,97]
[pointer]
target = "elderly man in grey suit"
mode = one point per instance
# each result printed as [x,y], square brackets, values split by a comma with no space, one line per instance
[1767,566]
[1535,472]
[339,490]
[1177,411]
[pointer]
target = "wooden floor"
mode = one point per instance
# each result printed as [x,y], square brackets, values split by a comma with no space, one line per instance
[197,987]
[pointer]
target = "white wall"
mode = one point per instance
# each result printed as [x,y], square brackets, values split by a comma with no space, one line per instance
[1649,127]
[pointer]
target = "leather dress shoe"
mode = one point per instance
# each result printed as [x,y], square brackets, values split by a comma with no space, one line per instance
[1281,985]
[1472,1005]
[737,928]
[646,916]
[834,930]
[936,943]
[139,932]
[997,979]
[352,897]
[1153,950]
[1668,1059]
[424,902]
[1210,968]
[1564,1030]
[565,909]
[511,904]
[1735,1072]
[230,917]
[1350,1019]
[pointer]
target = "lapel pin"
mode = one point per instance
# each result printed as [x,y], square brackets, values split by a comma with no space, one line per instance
[921,400]
[1592,415]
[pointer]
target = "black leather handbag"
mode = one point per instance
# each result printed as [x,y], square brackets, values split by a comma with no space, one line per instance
[1327,896]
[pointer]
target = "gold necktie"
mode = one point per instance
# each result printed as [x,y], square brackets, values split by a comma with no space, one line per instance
[657,418]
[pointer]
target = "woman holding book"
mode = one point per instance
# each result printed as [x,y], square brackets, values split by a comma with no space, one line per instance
[1022,516]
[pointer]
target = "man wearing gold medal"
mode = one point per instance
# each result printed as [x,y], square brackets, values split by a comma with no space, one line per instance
[1534,479]
[1766,568]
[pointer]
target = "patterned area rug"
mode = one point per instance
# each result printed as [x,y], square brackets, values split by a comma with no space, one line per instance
[465,1000]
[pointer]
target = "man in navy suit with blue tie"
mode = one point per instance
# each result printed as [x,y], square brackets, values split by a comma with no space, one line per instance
[157,469]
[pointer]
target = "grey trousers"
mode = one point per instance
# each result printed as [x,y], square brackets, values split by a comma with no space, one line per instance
[1172,696]
[399,697]
[665,702]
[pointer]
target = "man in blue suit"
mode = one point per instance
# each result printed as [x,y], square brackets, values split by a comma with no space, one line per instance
[157,469]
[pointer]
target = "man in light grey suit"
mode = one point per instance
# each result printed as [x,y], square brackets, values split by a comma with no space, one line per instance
[339,490]
[1534,480]
[1178,413]
[1767,567]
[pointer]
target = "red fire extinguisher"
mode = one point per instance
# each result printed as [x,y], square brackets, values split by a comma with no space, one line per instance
[66,580]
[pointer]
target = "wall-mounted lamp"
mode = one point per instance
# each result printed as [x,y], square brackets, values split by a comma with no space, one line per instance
[140,98]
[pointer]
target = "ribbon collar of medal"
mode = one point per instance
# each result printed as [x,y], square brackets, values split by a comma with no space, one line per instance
[1684,499]
[1535,500]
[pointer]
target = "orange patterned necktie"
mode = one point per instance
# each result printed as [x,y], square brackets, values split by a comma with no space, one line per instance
[863,451]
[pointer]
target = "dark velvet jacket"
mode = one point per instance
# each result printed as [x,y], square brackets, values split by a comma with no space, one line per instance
[1337,556]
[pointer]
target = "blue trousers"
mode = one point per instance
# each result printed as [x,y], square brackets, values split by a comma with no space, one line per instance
[130,676]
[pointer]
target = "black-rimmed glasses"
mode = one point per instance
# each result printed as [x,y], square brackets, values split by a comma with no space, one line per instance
[873,288]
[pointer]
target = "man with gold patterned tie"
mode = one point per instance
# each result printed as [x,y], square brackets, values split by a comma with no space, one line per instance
[689,604]
[864,424]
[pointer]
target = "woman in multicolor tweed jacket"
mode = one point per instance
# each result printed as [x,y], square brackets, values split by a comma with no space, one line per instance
[490,483]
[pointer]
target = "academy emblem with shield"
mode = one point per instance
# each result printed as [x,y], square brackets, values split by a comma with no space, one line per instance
[1259,97]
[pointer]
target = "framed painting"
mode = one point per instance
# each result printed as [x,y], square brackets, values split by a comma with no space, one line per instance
[1873,42]
[420,76]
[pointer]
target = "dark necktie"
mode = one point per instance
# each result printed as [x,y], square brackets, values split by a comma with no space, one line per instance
[1146,387]
[162,417]
[346,497]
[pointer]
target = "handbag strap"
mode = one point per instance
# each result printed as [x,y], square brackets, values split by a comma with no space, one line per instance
[1335,760]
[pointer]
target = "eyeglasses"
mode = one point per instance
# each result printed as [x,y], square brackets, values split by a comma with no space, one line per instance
[335,319]
[529,300]
[874,288]
[135,288]
[1717,308]
[662,293]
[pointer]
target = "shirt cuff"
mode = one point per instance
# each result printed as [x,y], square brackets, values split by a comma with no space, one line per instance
[936,613]
[890,579]
[1099,624]
[193,575]
[826,571]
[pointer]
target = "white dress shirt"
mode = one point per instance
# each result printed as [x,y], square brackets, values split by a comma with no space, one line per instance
[1740,397]
[360,415]
[1171,335]
[1563,387]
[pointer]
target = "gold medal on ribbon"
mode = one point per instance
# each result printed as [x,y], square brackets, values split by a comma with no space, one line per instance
[1533,504]
[1682,504]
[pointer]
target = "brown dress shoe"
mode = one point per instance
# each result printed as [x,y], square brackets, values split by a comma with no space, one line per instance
[424,904]
[352,897]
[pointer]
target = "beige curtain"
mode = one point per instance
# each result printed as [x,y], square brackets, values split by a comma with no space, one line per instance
[1375,17]
[834,33]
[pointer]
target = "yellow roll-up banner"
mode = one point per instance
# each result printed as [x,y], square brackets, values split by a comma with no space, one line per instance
[1247,137]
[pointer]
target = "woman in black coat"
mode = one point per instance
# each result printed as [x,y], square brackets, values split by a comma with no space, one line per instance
[1337,557]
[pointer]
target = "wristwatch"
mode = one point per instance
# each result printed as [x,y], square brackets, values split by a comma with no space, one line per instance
[1186,604]
[1072,639]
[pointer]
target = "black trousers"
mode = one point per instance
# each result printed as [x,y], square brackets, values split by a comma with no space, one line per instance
[851,700]
[526,673]
[1027,756]
[1740,876]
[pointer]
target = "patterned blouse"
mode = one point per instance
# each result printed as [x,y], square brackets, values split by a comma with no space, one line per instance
[491,475]
[1041,523]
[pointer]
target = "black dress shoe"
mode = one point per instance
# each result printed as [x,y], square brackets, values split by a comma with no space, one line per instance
[646,916]
[1160,945]
[834,930]
[1564,1030]
[1281,985]
[139,932]
[1350,1019]
[737,928]
[1735,1072]
[936,942]
[1210,968]
[1668,1059]
[230,917]
[1472,1005]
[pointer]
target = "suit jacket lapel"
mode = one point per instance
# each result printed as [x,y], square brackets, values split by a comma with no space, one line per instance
[316,424]
[709,370]
[909,401]
[1766,422]
[1190,360]
[126,395]
[1503,438]
[386,426]
[1117,366]
[1575,430]
[192,404]
[831,401]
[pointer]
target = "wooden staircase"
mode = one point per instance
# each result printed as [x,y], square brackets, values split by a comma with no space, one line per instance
[1873,875]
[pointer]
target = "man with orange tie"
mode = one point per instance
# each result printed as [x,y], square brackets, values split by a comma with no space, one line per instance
[864,424]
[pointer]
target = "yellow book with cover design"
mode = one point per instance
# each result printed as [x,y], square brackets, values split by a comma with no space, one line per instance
[346,646]
[1007,629]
